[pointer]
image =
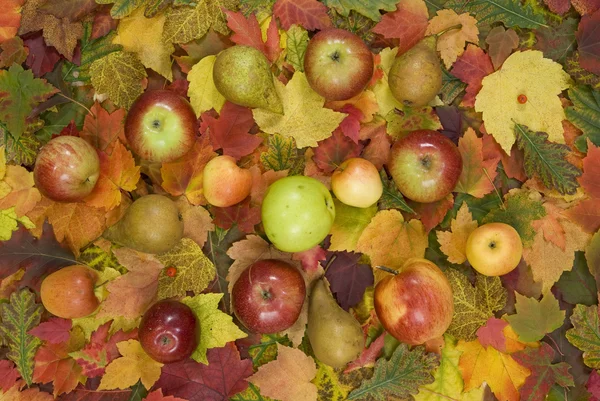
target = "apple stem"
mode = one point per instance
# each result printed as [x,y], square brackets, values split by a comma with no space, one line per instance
[387,270]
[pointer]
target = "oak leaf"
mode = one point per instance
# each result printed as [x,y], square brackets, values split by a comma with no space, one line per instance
[454,242]
[309,14]
[134,365]
[304,117]
[477,175]
[471,67]
[202,90]
[451,43]
[288,378]
[407,23]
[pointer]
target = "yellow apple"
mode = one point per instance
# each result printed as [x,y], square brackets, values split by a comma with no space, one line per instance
[494,249]
[356,182]
[225,183]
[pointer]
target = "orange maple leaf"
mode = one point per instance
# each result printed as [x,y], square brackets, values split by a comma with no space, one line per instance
[10,18]
[197,221]
[23,196]
[513,163]
[473,179]
[551,227]
[102,130]
[53,364]
[310,14]
[586,213]
[457,30]
[407,23]
[30,394]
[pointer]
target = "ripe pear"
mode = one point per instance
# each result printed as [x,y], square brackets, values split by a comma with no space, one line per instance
[335,335]
[242,74]
[151,225]
[415,77]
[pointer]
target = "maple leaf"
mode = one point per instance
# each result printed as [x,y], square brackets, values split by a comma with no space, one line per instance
[557,42]
[19,316]
[492,335]
[403,119]
[20,92]
[132,293]
[350,126]
[11,19]
[540,80]
[587,41]
[551,227]
[407,23]
[13,51]
[473,305]
[379,144]
[8,374]
[309,14]
[501,43]
[41,58]
[223,377]
[454,242]
[348,225]
[399,377]
[297,41]
[202,91]
[17,189]
[185,24]
[230,131]
[585,213]
[348,278]
[331,152]
[471,67]
[246,31]
[101,350]
[282,154]
[585,332]
[196,221]
[157,395]
[310,258]
[134,365]
[451,43]
[500,371]
[184,175]
[54,331]
[304,117]
[534,319]
[578,286]
[433,213]
[103,129]
[584,114]
[291,367]
[30,394]
[390,241]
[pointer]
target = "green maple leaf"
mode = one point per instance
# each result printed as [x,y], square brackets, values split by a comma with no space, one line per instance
[534,319]
[578,286]
[398,378]
[297,41]
[585,334]
[547,160]
[473,306]
[20,92]
[282,155]
[392,198]
[20,315]
[585,114]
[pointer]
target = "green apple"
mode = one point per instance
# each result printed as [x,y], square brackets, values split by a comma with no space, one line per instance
[297,213]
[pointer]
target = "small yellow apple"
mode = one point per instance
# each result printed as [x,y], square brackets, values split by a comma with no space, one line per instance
[356,182]
[494,249]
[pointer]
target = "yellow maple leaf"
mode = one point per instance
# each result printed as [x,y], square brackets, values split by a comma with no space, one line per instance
[288,378]
[454,242]
[22,195]
[540,80]
[202,90]
[134,365]
[143,36]
[500,371]
[365,101]
[386,101]
[390,241]
[9,223]
[451,44]
[304,117]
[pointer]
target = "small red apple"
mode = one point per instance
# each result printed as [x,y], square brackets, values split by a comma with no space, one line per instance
[225,183]
[69,292]
[425,165]
[169,331]
[161,126]
[356,182]
[416,304]
[338,64]
[66,169]
[268,296]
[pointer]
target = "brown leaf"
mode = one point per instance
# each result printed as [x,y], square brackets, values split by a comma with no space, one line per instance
[501,44]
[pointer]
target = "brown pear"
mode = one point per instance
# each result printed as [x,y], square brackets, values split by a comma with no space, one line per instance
[415,77]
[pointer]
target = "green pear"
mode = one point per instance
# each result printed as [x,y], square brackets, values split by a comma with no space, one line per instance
[415,77]
[335,335]
[151,225]
[242,74]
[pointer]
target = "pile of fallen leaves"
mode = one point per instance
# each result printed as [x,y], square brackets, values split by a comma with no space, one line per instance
[520,98]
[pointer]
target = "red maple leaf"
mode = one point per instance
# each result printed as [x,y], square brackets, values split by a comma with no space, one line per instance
[588,40]
[54,331]
[102,129]
[222,378]
[230,131]
[379,147]
[69,130]
[471,67]
[53,364]
[593,385]
[310,258]
[492,334]
[8,374]
[310,14]
[41,58]
[587,212]
[408,24]
[432,214]
[368,356]
[157,395]
[331,152]
[242,214]
[350,125]
[246,31]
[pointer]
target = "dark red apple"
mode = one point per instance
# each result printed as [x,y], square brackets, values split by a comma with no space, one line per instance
[425,165]
[169,331]
[161,126]
[416,304]
[268,296]
[66,169]
[338,64]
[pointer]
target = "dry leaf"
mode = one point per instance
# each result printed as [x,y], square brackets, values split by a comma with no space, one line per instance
[454,242]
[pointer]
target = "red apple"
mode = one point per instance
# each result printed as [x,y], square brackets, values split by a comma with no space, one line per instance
[356,182]
[416,304]
[268,296]
[425,165]
[169,331]
[338,64]
[161,126]
[66,169]
[225,183]
[69,292]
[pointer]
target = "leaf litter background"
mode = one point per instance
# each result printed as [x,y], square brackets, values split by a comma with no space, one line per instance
[73,67]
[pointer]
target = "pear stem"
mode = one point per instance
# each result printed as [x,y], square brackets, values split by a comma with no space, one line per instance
[387,270]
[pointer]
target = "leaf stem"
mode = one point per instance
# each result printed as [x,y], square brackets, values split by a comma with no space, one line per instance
[77,102]
[387,270]
[495,188]
[329,263]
